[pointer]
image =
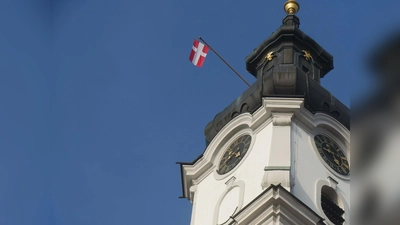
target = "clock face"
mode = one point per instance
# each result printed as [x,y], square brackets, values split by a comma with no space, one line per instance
[234,154]
[331,153]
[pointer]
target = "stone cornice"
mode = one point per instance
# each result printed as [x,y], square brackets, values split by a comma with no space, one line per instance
[276,204]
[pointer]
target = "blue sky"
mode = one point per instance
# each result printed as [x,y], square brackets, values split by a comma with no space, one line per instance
[99,100]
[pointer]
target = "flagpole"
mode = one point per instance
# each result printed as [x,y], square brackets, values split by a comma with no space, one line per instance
[224,61]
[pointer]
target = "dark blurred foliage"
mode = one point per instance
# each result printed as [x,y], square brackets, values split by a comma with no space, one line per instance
[376,139]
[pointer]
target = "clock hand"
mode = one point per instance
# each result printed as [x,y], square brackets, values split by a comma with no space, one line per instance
[336,160]
[330,151]
[327,149]
[230,153]
[237,154]
[333,154]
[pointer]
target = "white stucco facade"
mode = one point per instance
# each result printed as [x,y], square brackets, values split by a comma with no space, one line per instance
[281,152]
[310,173]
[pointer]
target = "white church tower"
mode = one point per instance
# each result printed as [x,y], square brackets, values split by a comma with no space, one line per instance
[280,153]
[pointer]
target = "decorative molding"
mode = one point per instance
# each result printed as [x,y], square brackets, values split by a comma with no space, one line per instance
[282,119]
[304,119]
[276,206]
[275,177]
[195,173]
[308,121]
[269,168]
[324,120]
[192,190]
[332,183]
[261,119]
[275,104]
[231,184]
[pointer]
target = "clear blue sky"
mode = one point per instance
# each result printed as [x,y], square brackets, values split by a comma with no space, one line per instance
[98,99]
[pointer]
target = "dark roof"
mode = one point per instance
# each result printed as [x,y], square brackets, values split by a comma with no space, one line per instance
[317,99]
[285,32]
[287,75]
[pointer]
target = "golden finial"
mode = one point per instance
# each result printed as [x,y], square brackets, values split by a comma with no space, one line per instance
[291,7]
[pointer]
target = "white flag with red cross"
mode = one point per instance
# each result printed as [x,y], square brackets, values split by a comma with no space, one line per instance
[198,53]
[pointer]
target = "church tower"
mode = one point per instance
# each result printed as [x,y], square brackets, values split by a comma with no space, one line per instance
[280,152]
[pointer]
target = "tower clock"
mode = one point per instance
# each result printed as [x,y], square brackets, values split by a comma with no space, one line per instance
[332,154]
[234,154]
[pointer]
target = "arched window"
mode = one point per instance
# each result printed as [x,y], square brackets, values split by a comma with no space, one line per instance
[330,205]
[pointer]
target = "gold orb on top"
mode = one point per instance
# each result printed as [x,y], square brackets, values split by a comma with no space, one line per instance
[291,7]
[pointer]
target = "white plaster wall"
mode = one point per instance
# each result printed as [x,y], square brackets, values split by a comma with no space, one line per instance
[250,171]
[307,169]
[308,173]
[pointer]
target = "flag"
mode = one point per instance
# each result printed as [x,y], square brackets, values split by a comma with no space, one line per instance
[198,53]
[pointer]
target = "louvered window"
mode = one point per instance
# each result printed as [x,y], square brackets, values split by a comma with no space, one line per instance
[332,210]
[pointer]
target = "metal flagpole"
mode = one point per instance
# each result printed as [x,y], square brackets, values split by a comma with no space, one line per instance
[224,61]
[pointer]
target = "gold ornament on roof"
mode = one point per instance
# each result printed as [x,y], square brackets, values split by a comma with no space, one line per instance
[269,56]
[291,7]
[307,55]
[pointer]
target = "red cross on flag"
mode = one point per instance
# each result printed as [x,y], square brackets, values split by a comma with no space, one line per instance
[198,53]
